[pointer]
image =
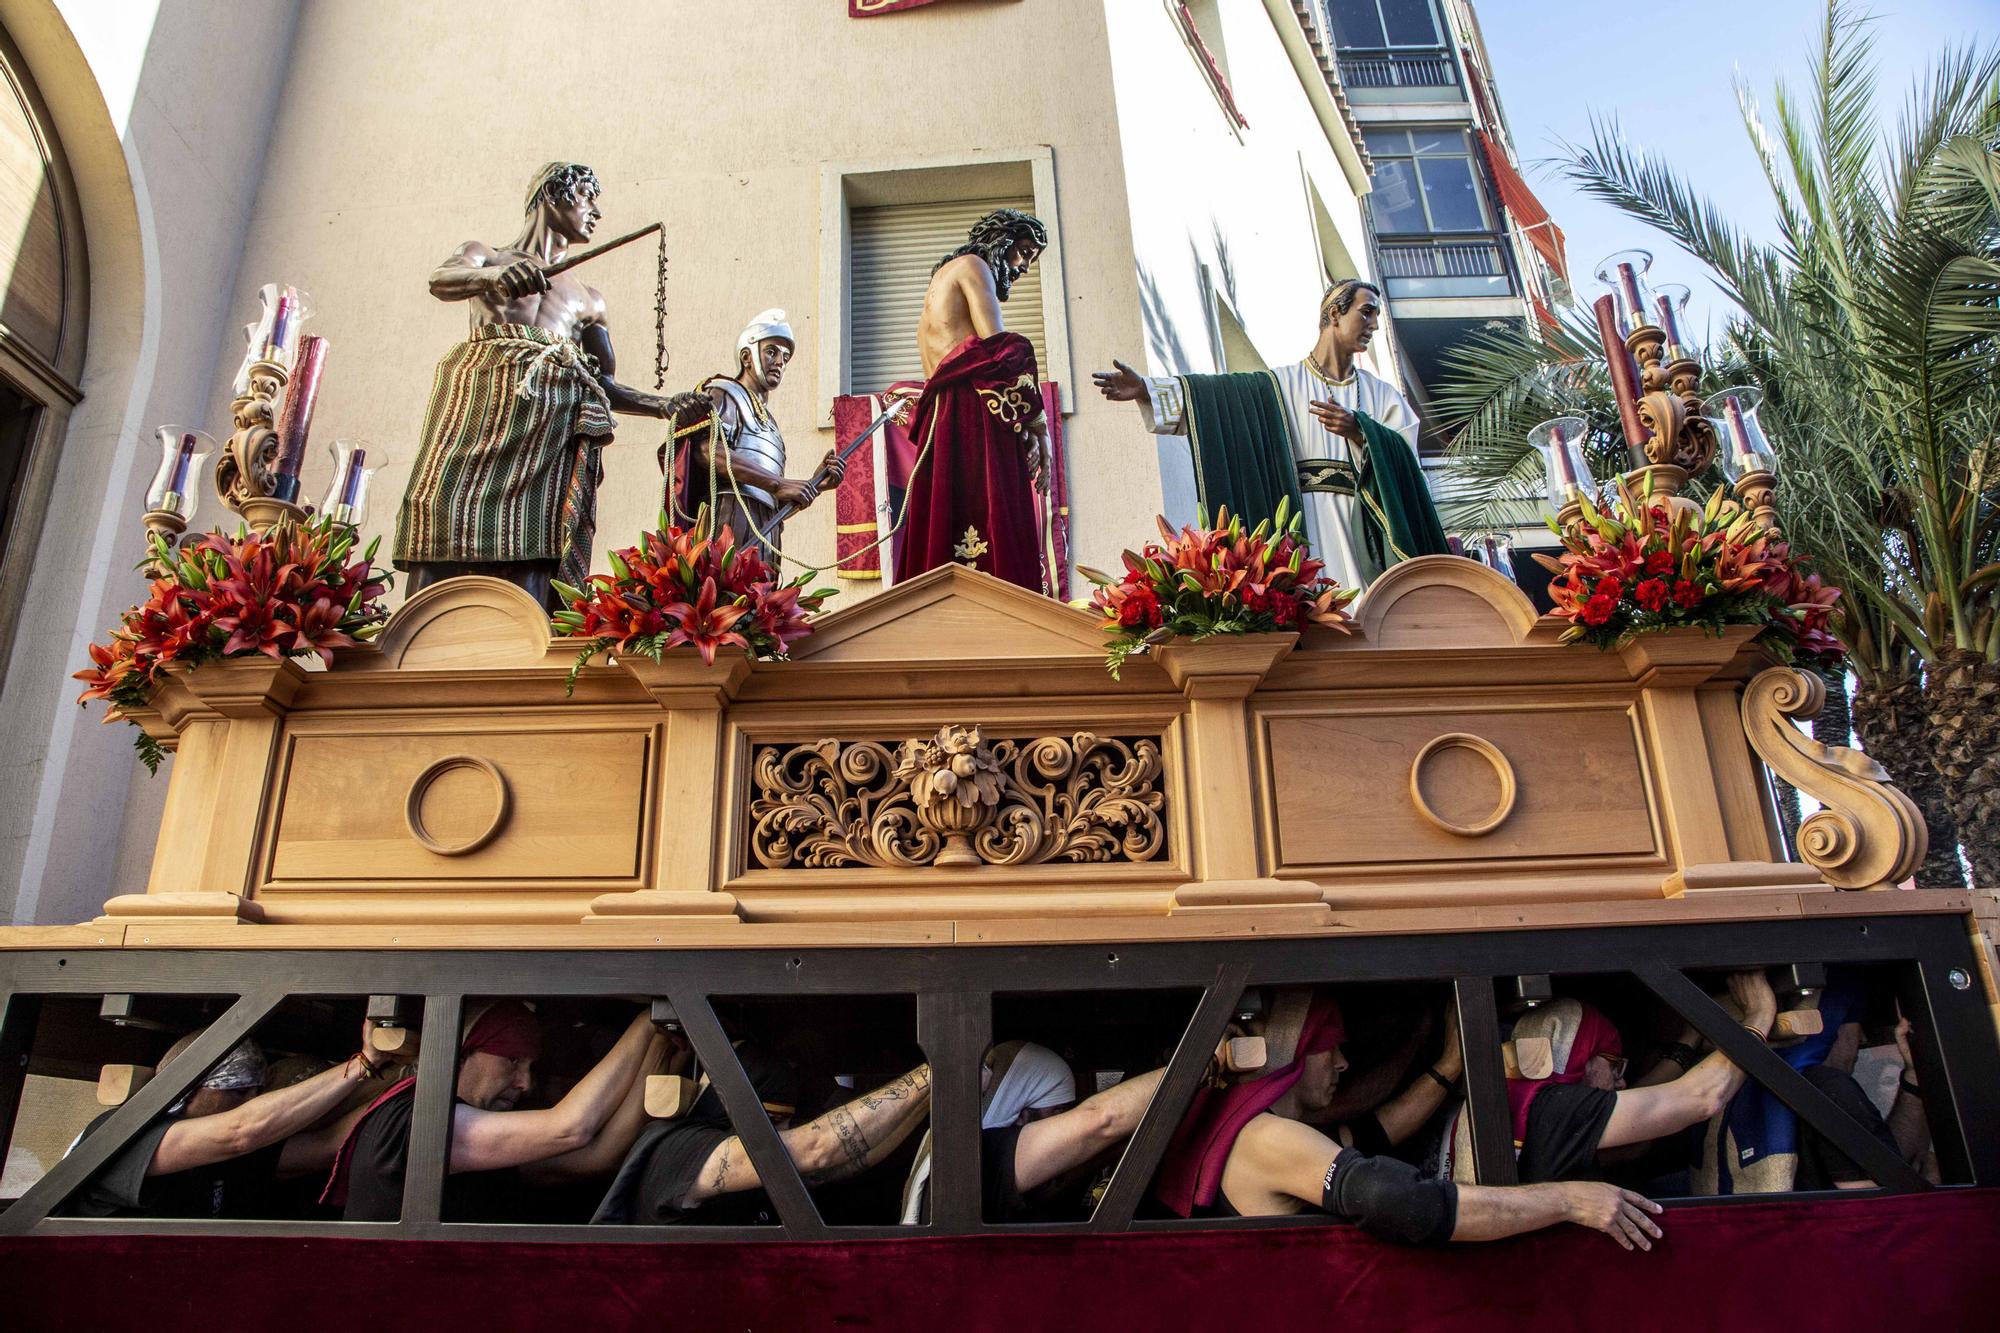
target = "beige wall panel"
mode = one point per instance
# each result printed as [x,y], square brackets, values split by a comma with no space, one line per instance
[577,801]
[1342,787]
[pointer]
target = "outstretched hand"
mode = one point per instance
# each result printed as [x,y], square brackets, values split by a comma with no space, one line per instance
[1123,385]
[1620,1214]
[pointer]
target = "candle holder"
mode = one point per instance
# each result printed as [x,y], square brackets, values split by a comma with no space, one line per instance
[1670,301]
[1560,443]
[245,474]
[355,463]
[1674,440]
[172,498]
[1748,459]
[1495,550]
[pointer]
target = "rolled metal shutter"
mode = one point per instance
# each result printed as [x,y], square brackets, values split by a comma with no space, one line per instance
[893,251]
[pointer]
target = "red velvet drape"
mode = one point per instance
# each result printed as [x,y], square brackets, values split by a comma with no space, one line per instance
[1881,1265]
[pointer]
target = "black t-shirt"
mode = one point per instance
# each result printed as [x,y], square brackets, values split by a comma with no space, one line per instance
[234,1187]
[663,1165]
[1565,1122]
[381,1157]
[998,1186]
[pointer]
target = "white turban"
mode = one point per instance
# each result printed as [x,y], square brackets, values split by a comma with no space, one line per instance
[767,324]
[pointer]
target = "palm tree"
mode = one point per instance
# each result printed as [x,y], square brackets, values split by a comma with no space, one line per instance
[1873,326]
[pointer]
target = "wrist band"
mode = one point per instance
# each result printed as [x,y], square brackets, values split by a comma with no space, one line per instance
[1760,1036]
[1910,1087]
[1681,1054]
[1440,1079]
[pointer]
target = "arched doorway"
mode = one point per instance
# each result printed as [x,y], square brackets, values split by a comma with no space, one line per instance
[44,300]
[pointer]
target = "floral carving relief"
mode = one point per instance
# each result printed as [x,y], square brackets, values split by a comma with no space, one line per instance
[954,799]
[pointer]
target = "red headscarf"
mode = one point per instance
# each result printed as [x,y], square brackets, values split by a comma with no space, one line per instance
[1191,1175]
[506,1028]
[1595,1035]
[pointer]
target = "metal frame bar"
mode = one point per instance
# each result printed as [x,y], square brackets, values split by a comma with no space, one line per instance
[54,1189]
[1760,1063]
[1956,1049]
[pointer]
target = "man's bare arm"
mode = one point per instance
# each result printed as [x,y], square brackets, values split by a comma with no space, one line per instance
[1494,1212]
[1047,1148]
[489,1140]
[601,1156]
[257,1123]
[844,1142]
[475,270]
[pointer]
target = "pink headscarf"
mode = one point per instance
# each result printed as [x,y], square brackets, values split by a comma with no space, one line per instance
[1595,1035]
[1191,1175]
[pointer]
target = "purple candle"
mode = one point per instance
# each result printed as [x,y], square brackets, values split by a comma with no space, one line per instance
[350,485]
[295,420]
[281,327]
[1624,374]
[177,484]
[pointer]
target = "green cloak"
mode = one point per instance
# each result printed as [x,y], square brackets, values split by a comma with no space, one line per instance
[1243,459]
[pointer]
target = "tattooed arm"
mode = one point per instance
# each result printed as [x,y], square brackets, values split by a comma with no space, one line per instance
[844,1142]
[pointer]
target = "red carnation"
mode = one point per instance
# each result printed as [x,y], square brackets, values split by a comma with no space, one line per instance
[1687,593]
[1651,594]
[1660,562]
[1141,607]
[1599,609]
[1609,587]
[1285,610]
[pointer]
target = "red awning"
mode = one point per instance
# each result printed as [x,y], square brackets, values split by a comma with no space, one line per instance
[1540,229]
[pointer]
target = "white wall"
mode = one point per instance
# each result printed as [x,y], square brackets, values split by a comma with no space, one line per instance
[163,109]
[1236,202]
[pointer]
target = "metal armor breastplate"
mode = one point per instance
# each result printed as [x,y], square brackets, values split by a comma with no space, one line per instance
[757,441]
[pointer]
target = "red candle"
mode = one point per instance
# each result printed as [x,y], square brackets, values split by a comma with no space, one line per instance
[295,418]
[1624,374]
[1739,432]
[1628,283]
[1667,320]
[1559,458]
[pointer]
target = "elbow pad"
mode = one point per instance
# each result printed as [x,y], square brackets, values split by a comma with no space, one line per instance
[1388,1199]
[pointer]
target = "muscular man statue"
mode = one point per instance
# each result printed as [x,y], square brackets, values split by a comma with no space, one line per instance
[505,480]
[978,427]
[743,478]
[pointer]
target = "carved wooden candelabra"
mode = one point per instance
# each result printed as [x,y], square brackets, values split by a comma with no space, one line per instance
[243,473]
[1682,444]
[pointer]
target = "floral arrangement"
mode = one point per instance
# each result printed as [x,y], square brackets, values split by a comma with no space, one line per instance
[1644,565]
[1204,581]
[681,586]
[291,592]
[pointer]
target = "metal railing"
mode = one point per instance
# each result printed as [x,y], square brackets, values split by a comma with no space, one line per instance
[1413,68]
[1479,257]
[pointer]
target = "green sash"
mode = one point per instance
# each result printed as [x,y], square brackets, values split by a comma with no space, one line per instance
[1244,460]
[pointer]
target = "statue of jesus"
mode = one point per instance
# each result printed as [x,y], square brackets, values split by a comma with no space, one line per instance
[982,443]
[1336,439]
[506,475]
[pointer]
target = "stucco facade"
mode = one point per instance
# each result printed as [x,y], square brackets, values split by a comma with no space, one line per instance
[348,146]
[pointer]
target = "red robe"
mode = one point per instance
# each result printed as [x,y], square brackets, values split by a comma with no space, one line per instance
[975,475]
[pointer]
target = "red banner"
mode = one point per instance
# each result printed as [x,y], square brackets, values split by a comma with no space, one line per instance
[868,9]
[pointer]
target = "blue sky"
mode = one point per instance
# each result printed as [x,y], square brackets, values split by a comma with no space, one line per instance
[1558,61]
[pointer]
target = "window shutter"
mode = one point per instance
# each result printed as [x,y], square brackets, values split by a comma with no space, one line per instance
[893,251]
[31,240]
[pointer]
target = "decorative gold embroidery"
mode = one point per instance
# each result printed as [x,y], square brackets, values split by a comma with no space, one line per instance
[971,546]
[1016,403]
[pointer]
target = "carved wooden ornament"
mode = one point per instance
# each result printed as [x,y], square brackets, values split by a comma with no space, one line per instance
[1866,834]
[953,800]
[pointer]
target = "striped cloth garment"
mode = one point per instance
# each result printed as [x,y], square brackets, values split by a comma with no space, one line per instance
[508,468]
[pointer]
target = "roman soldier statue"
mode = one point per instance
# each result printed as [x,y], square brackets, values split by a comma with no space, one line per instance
[741,476]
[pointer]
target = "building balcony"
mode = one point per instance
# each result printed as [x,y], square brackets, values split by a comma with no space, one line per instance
[1403,74]
[1456,267]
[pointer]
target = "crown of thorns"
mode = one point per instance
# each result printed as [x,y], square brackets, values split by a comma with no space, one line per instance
[1004,226]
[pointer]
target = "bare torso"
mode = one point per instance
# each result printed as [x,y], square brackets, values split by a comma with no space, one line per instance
[961,302]
[566,309]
